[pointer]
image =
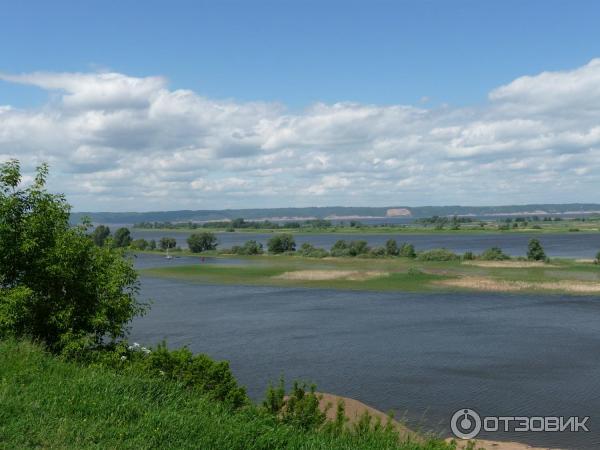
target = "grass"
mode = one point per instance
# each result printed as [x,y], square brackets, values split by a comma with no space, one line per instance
[49,403]
[400,274]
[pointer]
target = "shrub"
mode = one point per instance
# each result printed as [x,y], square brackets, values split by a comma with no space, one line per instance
[437,254]
[494,254]
[357,248]
[391,248]
[468,256]
[166,243]
[100,234]
[597,260]
[281,243]
[535,251]
[310,251]
[122,238]
[408,251]
[56,285]
[300,408]
[140,244]
[378,251]
[249,248]
[201,242]
[340,248]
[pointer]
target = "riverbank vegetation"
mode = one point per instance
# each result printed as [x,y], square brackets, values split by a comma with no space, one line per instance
[70,379]
[434,224]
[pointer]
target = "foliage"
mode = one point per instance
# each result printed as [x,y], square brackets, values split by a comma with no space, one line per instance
[378,251]
[251,247]
[468,256]
[56,285]
[535,251]
[407,250]
[352,248]
[122,238]
[140,244]
[300,408]
[95,407]
[437,254]
[494,254]
[166,243]
[310,251]
[391,248]
[99,235]
[201,242]
[597,260]
[281,243]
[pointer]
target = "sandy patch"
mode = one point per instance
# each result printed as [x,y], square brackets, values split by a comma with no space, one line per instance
[589,261]
[354,409]
[490,284]
[324,275]
[508,264]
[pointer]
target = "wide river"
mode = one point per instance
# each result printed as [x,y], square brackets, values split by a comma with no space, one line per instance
[422,355]
[565,245]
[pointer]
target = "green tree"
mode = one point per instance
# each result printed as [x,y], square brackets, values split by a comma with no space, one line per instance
[56,285]
[166,243]
[535,251]
[597,260]
[281,243]
[201,242]
[99,235]
[494,254]
[122,238]
[408,251]
[140,244]
[391,248]
[152,244]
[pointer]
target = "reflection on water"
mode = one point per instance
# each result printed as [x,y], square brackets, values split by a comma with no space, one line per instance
[566,245]
[424,354]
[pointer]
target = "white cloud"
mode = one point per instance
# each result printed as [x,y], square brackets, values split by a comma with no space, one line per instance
[117,142]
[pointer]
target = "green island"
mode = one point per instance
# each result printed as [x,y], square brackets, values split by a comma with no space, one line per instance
[395,274]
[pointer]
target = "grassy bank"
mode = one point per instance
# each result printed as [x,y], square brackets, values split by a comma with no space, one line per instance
[49,403]
[395,274]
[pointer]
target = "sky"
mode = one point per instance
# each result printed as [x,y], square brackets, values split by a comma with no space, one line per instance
[151,105]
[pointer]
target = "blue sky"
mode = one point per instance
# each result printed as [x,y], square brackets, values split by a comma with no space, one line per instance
[299,52]
[166,105]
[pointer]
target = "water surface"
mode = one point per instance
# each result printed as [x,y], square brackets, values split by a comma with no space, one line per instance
[423,355]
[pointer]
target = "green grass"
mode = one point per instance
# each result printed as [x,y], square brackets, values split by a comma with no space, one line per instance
[48,403]
[404,274]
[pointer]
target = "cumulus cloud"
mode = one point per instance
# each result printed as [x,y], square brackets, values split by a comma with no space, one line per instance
[117,142]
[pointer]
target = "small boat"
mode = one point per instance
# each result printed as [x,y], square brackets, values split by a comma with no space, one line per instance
[168,255]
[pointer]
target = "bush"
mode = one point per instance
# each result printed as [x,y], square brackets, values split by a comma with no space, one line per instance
[299,409]
[408,251]
[437,254]
[535,251]
[281,243]
[310,251]
[597,260]
[166,243]
[249,248]
[494,254]
[340,248]
[468,256]
[201,242]
[391,248]
[122,238]
[56,285]
[378,251]
[100,234]
[140,244]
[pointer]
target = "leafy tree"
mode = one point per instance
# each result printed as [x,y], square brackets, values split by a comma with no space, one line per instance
[408,251]
[140,244]
[56,285]
[597,260]
[310,251]
[357,248]
[122,238]
[152,244]
[99,235]
[494,254]
[535,251]
[391,248]
[166,243]
[281,243]
[340,248]
[201,242]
